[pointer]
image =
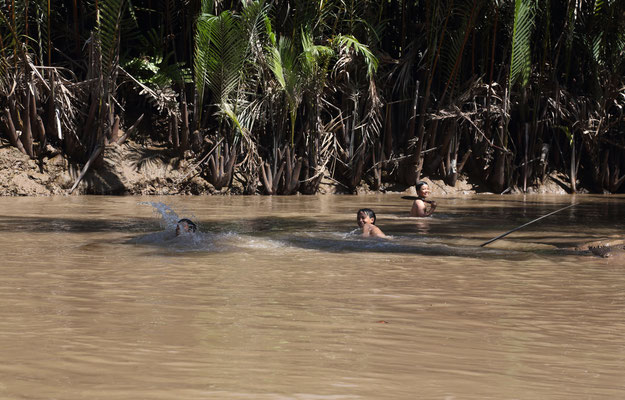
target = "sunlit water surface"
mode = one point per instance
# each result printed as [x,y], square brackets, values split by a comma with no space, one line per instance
[279,298]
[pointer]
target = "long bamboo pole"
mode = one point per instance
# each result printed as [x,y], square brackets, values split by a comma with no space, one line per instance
[416,198]
[526,224]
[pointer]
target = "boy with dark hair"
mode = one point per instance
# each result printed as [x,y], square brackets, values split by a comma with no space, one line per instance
[366,221]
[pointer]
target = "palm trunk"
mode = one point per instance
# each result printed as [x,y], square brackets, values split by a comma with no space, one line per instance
[26,136]
[573,169]
[12,133]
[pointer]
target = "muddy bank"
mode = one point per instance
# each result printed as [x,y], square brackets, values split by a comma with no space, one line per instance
[151,169]
[128,169]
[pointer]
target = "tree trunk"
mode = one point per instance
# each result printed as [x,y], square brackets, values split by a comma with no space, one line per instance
[12,133]
[184,137]
[26,136]
[573,169]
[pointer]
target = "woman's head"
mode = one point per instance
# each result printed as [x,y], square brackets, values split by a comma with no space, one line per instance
[365,216]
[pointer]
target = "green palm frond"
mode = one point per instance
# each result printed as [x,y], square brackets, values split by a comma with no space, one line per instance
[200,59]
[520,62]
[466,15]
[276,63]
[108,28]
[313,57]
[154,66]
[283,62]
[285,66]
[608,33]
[227,110]
[220,54]
[348,42]
[12,29]
[207,7]
[571,22]
[254,21]
[451,53]
[38,27]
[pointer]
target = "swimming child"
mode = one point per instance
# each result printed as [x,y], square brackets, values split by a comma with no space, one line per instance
[419,207]
[185,225]
[366,221]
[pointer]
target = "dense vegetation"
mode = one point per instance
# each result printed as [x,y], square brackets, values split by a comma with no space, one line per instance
[277,94]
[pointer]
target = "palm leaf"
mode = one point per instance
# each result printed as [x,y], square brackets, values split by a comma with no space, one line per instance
[108,27]
[313,57]
[12,30]
[349,42]
[254,21]
[452,53]
[200,56]
[520,62]
[284,65]
[220,54]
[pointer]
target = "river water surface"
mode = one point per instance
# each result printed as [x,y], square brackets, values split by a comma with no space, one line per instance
[279,298]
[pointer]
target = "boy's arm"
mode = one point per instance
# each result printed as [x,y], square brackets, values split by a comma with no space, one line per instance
[432,207]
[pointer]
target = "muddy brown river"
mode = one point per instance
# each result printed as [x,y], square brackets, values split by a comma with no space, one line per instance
[280,298]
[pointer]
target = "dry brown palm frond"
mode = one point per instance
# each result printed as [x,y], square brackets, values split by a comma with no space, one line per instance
[371,123]
[324,155]
[163,99]
[330,144]
[146,157]
[52,97]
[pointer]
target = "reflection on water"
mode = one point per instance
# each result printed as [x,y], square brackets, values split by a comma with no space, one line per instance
[280,298]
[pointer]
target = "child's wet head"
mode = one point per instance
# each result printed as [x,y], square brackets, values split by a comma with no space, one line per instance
[365,216]
[185,225]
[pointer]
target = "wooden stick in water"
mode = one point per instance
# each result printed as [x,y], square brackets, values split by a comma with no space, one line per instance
[526,224]
[416,198]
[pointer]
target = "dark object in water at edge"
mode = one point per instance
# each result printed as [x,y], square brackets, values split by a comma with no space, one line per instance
[607,251]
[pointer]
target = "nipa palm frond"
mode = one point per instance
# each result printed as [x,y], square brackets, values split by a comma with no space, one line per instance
[520,62]
[224,57]
[200,59]
[108,26]
[254,20]
[348,42]
[313,57]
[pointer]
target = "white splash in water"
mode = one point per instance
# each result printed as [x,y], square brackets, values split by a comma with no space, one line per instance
[169,218]
[168,222]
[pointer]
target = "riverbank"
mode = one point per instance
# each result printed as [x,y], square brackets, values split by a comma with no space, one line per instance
[151,169]
[128,169]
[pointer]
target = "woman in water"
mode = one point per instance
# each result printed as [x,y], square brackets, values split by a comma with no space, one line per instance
[419,206]
[366,221]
